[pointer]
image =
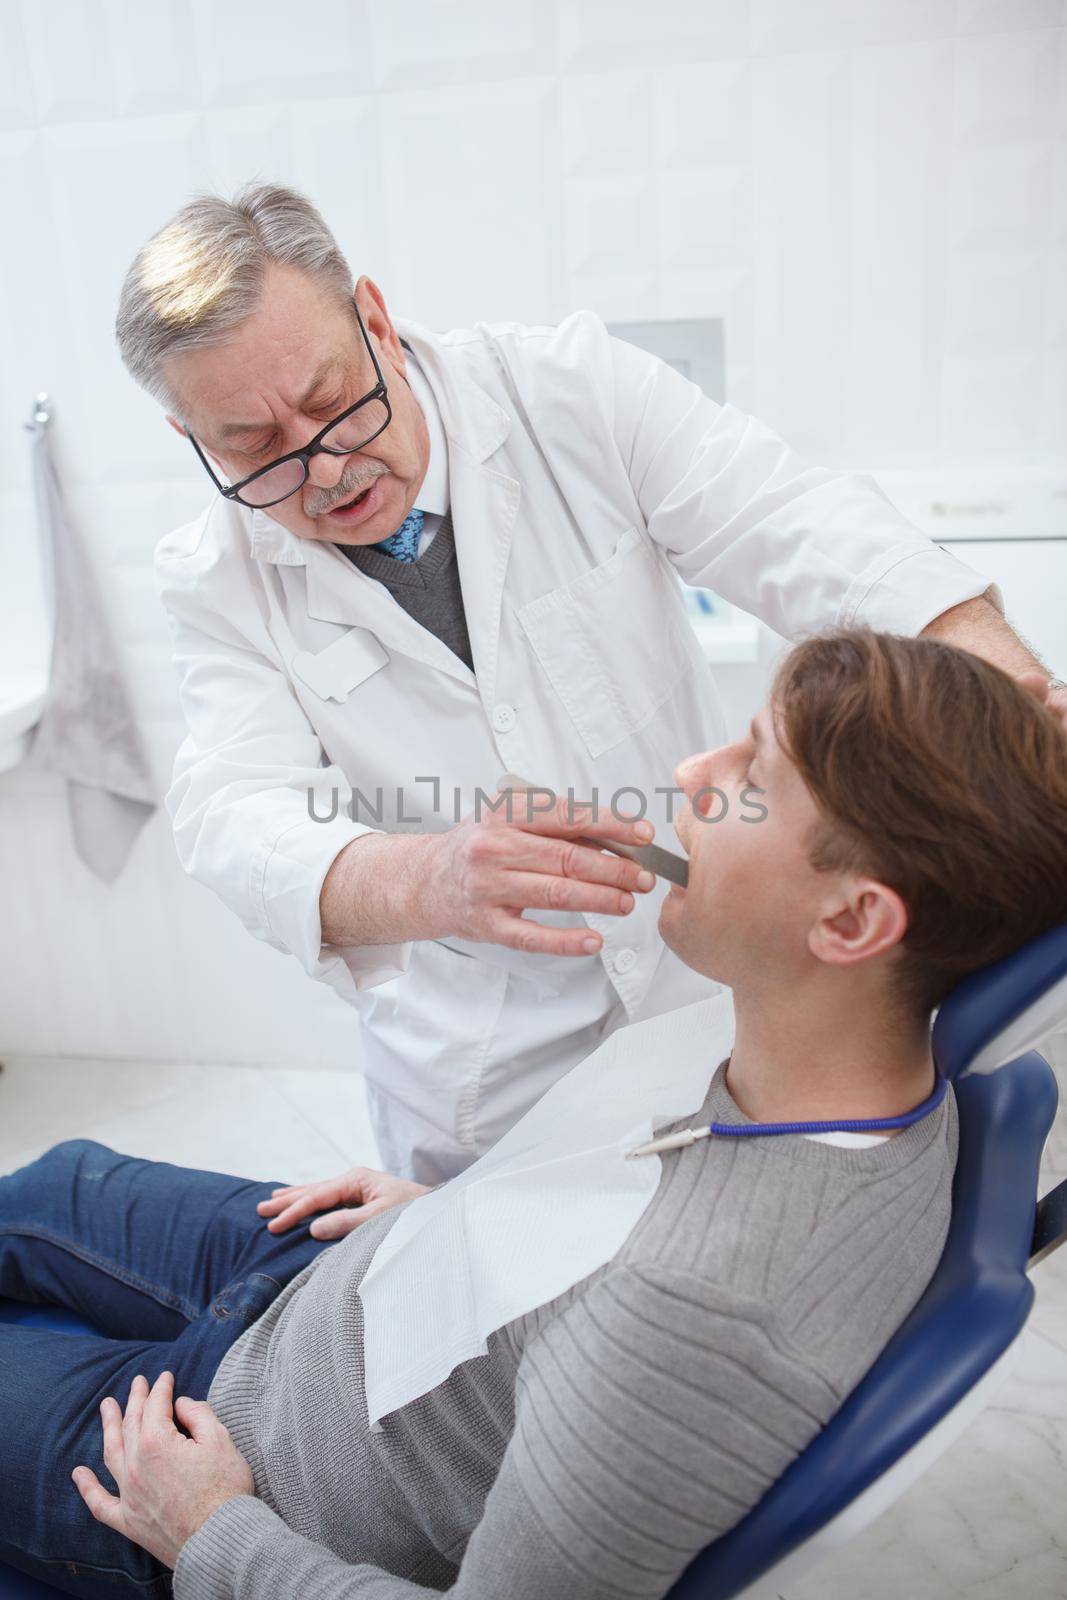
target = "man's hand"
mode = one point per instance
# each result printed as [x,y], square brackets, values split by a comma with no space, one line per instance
[978,626]
[476,880]
[361,1190]
[168,1485]
[486,871]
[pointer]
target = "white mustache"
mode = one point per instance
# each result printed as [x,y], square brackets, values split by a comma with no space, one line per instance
[353,481]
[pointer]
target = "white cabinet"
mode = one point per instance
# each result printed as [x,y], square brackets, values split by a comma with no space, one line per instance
[1009,525]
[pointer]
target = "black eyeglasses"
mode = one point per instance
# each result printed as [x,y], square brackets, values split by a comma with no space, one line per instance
[352,430]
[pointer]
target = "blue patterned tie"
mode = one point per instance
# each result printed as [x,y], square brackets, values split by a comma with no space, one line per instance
[403,545]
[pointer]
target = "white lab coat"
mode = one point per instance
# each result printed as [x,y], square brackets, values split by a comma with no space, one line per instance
[581,472]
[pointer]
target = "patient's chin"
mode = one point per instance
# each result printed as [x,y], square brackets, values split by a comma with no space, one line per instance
[681,931]
[673,928]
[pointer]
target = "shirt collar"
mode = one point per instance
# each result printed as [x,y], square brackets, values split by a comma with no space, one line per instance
[433,494]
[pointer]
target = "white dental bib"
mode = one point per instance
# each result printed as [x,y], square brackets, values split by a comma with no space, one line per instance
[553,1200]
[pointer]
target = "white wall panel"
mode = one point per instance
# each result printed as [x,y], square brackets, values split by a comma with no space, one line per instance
[706,218]
[801,248]
[1002,195]
[602,34]
[254,53]
[471,178]
[419,45]
[871,193]
[153,55]
[703,114]
[340,142]
[245,142]
[71,68]
[108,189]
[606,123]
[1005,88]
[35,323]
[995,16]
[898,189]
[797,25]
[613,218]
[17,109]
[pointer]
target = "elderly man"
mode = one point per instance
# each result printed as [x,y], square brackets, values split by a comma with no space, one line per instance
[434,559]
[596,1441]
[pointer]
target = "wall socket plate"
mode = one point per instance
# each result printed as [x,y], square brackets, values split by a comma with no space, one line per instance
[694,346]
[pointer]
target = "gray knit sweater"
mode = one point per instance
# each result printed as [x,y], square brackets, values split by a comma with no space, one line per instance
[604,1439]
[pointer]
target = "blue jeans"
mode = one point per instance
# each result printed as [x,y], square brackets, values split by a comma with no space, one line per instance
[171,1265]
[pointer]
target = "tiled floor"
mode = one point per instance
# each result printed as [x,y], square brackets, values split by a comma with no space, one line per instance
[988,1522]
[256,1122]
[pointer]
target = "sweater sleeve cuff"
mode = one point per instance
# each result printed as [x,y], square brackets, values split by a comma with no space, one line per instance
[209,1562]
[245,1549]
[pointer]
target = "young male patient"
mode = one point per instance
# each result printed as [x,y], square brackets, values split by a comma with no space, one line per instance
[916,829]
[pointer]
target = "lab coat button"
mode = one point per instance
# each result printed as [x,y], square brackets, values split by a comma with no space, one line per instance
[503,718]
[625,960]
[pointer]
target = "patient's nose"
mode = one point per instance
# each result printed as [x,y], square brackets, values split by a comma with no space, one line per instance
[692,773]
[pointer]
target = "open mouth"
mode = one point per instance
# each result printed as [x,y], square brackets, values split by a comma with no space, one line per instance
[348,504]
[362,506]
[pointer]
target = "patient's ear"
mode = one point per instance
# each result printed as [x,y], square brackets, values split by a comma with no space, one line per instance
[1035,683]
[176,425]
[867,920]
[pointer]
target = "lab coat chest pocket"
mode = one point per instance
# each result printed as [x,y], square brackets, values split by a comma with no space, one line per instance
[338,669]
[611,642]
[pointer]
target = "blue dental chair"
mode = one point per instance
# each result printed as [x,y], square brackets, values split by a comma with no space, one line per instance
[960,1341]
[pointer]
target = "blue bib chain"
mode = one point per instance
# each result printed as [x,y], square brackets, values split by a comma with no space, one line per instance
[403,545]
[743,1130]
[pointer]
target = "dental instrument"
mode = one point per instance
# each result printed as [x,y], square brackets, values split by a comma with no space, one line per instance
[664,863]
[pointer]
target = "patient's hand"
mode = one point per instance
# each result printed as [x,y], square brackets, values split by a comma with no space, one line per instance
[168,1485]
[360,1191]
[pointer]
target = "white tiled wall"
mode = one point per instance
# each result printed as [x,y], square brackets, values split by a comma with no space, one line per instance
[871,193]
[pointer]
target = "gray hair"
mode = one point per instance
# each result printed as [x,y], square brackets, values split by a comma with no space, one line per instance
[202,274]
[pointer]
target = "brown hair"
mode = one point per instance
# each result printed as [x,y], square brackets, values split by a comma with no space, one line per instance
[935,772]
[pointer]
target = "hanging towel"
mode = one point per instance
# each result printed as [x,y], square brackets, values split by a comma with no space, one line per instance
[88,730]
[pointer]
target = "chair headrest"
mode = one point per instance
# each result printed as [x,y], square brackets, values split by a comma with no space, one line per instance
[1005,1009]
